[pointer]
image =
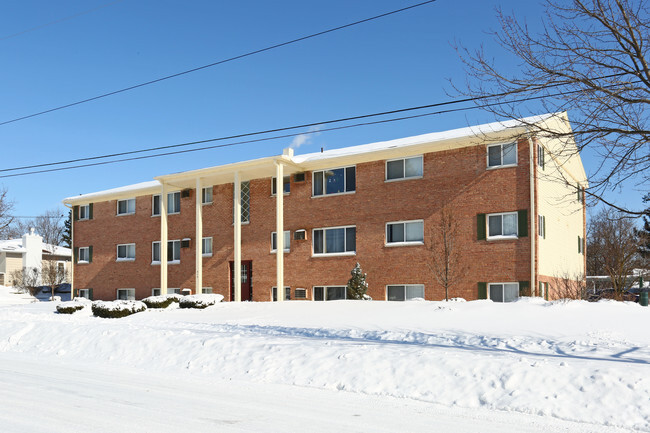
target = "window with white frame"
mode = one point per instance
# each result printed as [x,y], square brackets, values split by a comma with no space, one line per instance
[84,212]
[404,292]
[83,255]
[501,155]
[286,185]
[274,293]
[581,245]
[206,290]
[329,293]
[245,202]
[174,251]
[126,294]
[155,205]
[541,226]
[206,246]
[502,225]
[404,168]
[155,292]
[334,181]
[405,232]
[173,290]
[335,240]
[126,207]
[540,156]
[174,202]
[287,241]
[84,293]
[155,252]
[503,292]
[125,252]
[206,195]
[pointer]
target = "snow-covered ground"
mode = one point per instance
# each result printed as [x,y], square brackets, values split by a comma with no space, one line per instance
[529,366]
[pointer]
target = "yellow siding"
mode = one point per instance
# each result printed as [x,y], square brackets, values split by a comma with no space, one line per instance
[13,262]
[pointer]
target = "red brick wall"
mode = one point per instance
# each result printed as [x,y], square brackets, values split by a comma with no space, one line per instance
[456,178]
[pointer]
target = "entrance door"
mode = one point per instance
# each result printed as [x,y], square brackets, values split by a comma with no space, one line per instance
[246,280]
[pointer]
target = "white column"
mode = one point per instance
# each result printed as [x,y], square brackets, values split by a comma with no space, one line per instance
[199,236]
[72,245]
[163,240]
[237,265]
[279,229]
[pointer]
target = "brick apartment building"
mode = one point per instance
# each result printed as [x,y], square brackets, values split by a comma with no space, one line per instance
[516,197]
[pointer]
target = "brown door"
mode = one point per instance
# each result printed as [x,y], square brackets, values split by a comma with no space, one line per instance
[246,280]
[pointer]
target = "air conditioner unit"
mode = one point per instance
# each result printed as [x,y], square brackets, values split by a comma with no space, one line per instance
[186,193]
[299,177]
[300,235]
[185,243]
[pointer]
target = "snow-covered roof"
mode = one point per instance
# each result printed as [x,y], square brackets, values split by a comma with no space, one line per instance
[12,246]
[57,250]
[472,131]
[134,188]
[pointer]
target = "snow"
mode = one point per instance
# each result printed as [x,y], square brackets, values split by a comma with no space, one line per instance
[123,189]
[11,296]
[471,131]
[530,365]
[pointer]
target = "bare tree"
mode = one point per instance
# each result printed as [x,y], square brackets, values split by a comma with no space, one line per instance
[26,280]
[588,59]
[50,226]
[445,252]
[571,286]
[6,207]
[612,248]
[53,274]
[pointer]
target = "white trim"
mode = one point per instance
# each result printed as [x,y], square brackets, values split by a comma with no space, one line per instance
[155,262]
[405,286]
[503,284]
[498,237]
[273,183]
[153,207]
[313,292]
[287,248]
[345,181]
[404,177]
[405,242]
[127,258]
[87,254]
[487,155]
[87,217]
[343,253]
[128,298]
[179,202]
[211,246]
[204,203]
[117,210]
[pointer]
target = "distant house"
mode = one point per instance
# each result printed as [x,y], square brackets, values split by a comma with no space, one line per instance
[29,252]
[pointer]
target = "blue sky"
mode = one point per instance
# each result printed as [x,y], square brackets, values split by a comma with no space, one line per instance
[399,61]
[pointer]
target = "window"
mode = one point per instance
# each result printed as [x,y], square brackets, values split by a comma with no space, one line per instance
[173,291]
[155,205]
[502,225]
[405,292]
[501,155]
[329,293]
[174,202]
[206,290]
[155,252]
[206,246]
[337,240]
[404,168]
[126,207]
[85,293]
[287,241]
[155,292]
[126,294]
[581,194]
[581,245]
[84,212]
[286,185]
[125,252]
[206,195]
[541,223]
[274,293]
[245,203]
[540,156]
[407,232]
[174,251]
[503,292]
[83,255]
[334,181]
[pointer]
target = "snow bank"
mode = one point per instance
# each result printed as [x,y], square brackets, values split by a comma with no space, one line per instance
[578,361]
[12,296]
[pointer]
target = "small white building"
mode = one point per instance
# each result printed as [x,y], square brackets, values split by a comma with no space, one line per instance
[29,252]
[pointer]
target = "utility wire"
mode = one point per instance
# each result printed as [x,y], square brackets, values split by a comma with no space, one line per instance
[241,56]
[60,20]
[288,128]
[177,152]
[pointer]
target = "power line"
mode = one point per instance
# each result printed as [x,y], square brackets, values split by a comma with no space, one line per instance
[241,56]
[60,20]
[288,128]
[177,152]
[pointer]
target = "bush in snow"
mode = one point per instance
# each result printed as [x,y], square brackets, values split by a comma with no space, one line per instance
[161,301]
[357,286]
[199,301]
[116,309]
[69,307]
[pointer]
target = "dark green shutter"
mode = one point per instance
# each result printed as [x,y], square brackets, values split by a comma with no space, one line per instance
[524,288]
[75,212]
[522,223]
[90,254]
[90,211]
[546,291]
[482,290]
[90,294]
[75,254]
[480,227]
[544,226]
